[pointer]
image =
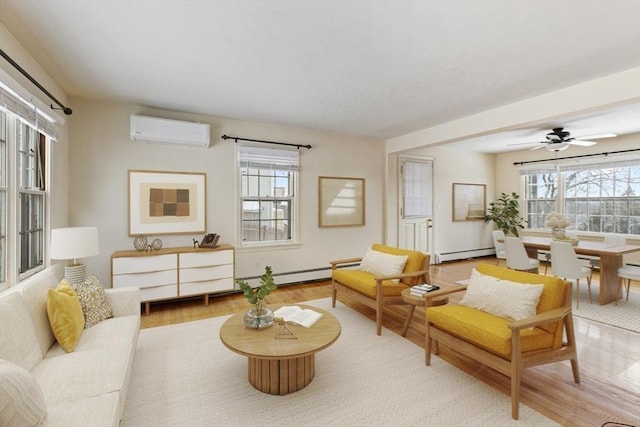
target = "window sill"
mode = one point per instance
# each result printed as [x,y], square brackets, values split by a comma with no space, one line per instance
[263,247]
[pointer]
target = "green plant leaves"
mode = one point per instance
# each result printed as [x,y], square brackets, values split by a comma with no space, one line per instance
[257,294]
[505,213]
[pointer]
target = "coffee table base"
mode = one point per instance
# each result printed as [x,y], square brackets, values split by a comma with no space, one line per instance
[281,376]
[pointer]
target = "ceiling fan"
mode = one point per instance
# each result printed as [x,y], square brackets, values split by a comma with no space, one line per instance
[559,139]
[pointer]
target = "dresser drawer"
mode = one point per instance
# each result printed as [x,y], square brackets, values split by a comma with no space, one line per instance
[207,258]
[206,273]
[144,263]
[206,287]
[146,280]
[158,292]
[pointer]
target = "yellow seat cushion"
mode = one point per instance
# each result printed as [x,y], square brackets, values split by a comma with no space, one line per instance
[414,260]
[65,315]
[364,283]
[486,330]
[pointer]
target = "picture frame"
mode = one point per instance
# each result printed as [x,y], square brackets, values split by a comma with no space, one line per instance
[469,202]
[163,202]
[341,202]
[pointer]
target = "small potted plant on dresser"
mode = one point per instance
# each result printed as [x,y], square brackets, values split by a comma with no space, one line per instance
[259,316]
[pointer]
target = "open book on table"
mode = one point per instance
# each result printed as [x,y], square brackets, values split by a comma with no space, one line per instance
[300,316]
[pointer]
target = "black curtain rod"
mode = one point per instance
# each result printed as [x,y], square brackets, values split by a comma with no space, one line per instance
[66,110]
[236,138]
[577,157]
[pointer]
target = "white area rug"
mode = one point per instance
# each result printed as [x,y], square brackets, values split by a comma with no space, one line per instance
[184,376]
[626,314]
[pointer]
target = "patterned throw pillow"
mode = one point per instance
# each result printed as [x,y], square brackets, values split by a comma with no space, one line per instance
[93,300]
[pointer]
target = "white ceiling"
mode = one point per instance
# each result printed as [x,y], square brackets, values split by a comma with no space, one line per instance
[377,69]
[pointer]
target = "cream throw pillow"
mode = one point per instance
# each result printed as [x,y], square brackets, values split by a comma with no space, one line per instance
[93,301]
[65,315]
[21,399]
[382,264]
[503,298]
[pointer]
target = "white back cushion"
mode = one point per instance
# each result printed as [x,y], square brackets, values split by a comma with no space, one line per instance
[503,298]
[382,264]
[18,341]
[34,291]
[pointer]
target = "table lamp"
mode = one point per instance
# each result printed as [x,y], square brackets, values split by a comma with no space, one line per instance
[72,243]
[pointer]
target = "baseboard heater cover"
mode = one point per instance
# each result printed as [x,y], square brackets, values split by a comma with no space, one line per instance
[457,255]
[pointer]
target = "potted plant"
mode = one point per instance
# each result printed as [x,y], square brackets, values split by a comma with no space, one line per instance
[258,316]
[505,213]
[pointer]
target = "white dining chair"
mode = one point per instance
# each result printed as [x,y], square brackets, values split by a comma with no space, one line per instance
[498,243]
[628,273]
[517,258]
[565,264]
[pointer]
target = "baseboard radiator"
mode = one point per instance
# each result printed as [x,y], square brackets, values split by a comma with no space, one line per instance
[470,253]
[293,277]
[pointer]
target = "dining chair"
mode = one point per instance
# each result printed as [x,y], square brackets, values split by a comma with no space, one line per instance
[628,272]
[517,258]
[565,264]
[498,242]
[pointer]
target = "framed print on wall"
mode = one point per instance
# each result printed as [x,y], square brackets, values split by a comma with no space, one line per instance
[469,202]
[341,202]
[166,202]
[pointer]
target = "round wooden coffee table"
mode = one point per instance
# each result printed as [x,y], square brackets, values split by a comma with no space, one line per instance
[413,301]
[280,365]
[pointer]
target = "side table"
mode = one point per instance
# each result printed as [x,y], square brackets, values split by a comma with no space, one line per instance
[413,301]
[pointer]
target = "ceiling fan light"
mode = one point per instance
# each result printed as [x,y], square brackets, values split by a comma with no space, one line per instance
[558,146]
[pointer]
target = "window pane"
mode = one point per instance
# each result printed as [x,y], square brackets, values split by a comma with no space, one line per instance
[31,231]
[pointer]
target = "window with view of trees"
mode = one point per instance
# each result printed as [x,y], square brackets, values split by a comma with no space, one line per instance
[268,178]
[603,197]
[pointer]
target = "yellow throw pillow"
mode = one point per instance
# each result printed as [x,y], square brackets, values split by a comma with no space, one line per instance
[65,315]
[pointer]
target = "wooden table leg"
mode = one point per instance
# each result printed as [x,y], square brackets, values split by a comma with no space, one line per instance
[609,280]
[408,320]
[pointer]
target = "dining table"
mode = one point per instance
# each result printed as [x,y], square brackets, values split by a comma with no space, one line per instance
[610,260]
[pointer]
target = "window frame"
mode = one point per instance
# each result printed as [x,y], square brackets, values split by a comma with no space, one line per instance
[258,174]
[564,200]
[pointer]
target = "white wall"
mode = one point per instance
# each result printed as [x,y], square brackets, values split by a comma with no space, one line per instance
[101,155]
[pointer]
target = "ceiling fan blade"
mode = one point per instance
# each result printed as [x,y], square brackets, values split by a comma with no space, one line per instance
[598,136]
[582,143]
[526,143]
[538,147]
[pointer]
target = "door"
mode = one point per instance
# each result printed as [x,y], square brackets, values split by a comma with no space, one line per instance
[415,228]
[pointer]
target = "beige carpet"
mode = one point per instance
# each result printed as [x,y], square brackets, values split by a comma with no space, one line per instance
[626,314]
[184,376]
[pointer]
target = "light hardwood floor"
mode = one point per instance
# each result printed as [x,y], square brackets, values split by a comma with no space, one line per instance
[609,357]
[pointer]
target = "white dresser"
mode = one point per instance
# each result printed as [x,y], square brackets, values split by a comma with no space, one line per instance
[171,273]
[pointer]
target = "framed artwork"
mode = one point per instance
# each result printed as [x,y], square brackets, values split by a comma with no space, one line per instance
[469,202]
[341,202]
[166,202]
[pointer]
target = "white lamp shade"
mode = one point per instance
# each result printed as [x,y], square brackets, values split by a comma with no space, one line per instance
[74,242]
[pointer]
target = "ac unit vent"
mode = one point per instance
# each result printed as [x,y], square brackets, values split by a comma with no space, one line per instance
[167,131]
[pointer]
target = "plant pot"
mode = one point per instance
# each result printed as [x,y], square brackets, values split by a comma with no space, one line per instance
[256,318]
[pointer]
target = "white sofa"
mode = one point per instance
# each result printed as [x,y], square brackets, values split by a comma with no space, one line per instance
[88,386]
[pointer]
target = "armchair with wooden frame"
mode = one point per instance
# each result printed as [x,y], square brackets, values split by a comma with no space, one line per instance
[379,291]
[506,346]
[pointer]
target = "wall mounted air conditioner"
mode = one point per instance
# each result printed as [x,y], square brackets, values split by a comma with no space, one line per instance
[167,131]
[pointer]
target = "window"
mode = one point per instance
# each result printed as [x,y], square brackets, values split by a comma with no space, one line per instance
[23,195]
[598,197]
[30,168]
[268,180]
